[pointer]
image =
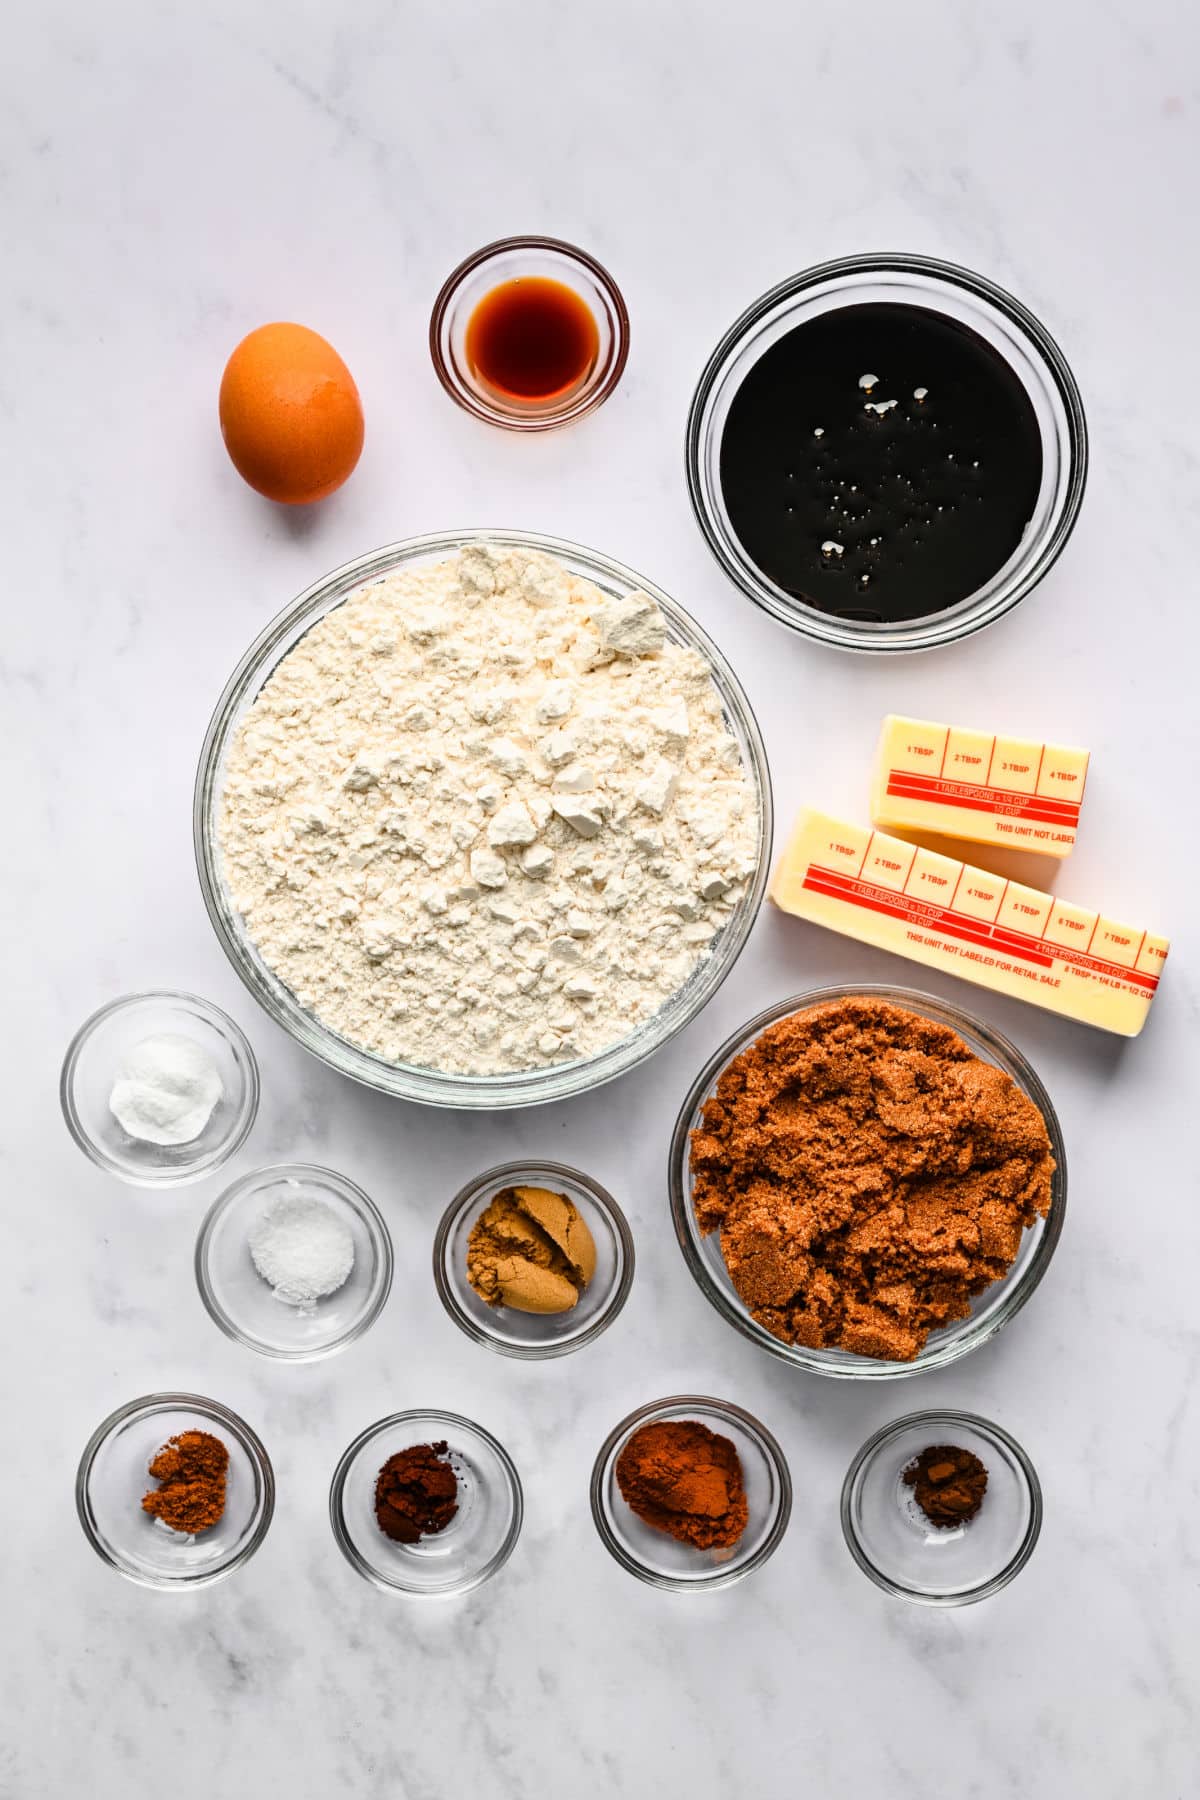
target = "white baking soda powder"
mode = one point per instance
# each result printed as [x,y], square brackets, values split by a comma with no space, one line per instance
[166,1090]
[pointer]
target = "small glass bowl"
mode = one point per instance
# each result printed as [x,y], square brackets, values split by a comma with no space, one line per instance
[534,1335]
[958,294]
[478,1540]
[512,259]
[434,1087]
[658,1558]
[893,1542]
[97,1051]
[114,1474]
[247,1308]
[990,1311]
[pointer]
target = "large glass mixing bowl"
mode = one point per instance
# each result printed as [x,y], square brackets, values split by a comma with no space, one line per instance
[408,1080]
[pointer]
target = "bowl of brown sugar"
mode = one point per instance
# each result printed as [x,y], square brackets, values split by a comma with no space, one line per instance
[867,1182]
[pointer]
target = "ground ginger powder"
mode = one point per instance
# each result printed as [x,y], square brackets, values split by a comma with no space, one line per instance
[869,1175]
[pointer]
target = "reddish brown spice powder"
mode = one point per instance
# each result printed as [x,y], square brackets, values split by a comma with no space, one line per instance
[686,1480]
[948,1484]
[416,1493]
[869,1175]
[191,1470]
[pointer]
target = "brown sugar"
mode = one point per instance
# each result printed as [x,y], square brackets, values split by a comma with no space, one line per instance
[686,1480]
[869,1175]
[191,1471]
[416,1493]
[948,1484]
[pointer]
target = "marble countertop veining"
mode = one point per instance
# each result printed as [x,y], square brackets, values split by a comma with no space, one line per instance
[171,177]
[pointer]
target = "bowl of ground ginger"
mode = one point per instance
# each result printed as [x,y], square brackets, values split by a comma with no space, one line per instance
[867,1181]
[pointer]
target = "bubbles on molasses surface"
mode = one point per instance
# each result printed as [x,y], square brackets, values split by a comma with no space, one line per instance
[862,471]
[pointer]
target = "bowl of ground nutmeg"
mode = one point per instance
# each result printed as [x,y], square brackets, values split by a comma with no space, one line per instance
[942,1508]
[174,1491]
[867,1181]
[691,1493]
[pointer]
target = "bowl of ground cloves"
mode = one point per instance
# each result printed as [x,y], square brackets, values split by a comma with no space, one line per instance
[426,1504]
[941,1508]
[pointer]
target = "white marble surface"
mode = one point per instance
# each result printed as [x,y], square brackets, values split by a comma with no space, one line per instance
[171,177]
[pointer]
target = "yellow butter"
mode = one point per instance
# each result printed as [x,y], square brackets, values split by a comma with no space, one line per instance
[948,915]
[971,784]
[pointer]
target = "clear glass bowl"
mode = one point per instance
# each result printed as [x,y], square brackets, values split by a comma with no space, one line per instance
[407,1080]
[513,259]
[1010,328]
[890,1538]
[535,1335]
[247,1308]
[114,1474]
[990,1311]
[96,1053]
[658,1558]
[477,1542]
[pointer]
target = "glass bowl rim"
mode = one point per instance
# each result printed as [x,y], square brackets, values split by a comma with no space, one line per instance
[147,1405]
[952,624]
[722,1575]
[178,1174]
[986,1428]
[584,400]
[503,1176]
[959,1342]
[355,1196]
[407,1081]
[349,1548]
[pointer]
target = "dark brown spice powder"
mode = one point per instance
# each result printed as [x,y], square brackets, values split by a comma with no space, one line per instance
[948,1483]
[416,1493]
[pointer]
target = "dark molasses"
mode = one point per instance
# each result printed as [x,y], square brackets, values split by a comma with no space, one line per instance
[881,462]
[532,339]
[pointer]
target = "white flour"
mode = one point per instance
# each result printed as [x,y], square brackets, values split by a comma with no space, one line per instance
[482,819]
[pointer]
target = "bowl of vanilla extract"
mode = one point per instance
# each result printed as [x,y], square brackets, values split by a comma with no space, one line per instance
[887,452]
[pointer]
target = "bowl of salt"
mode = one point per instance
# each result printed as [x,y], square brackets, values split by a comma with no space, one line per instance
[294,1261]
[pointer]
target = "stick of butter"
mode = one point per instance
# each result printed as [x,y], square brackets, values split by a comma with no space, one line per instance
[971,784]
[948,915]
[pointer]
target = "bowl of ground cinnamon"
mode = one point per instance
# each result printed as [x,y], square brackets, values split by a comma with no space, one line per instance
[941,1508]
[867,1182]
[691,1493]
[175,1491]
[426,1504]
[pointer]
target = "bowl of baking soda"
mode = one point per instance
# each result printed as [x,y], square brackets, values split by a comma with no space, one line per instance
[159,1088]
[294,1261]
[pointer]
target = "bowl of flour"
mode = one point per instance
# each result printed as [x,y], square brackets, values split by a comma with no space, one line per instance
[483,819]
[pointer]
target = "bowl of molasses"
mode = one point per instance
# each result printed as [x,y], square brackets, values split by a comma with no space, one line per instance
[886,452]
